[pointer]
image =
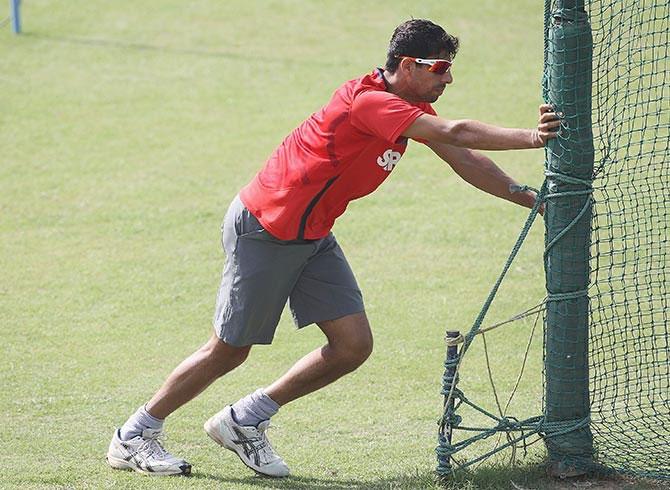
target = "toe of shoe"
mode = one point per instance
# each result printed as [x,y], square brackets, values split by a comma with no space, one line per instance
[277,470]
[180,468]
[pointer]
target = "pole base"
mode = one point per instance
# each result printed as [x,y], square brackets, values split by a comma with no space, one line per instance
[563,470]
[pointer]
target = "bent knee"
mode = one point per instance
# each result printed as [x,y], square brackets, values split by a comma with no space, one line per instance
[364,349]
[355,353]
[239,355]
[225,355]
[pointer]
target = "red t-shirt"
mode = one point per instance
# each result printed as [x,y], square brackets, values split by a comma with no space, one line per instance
[340,153]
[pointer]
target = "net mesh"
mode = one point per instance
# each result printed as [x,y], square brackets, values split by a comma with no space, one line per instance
[606,69]
[629,332]
[607,338]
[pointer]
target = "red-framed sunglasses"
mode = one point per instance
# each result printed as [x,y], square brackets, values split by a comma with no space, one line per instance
[439,67]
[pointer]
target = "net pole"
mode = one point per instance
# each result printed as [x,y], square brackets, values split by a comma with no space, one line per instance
[569,169]
[449,380]
[14,8]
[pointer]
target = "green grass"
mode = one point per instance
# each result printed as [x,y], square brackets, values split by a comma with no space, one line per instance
[127,127]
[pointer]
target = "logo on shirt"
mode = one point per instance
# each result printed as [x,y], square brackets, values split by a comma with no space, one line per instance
[388,160]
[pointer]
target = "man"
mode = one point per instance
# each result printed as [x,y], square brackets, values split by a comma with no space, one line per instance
[277,239]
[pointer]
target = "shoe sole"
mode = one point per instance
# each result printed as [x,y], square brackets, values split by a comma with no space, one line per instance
[123,465]
[214,434]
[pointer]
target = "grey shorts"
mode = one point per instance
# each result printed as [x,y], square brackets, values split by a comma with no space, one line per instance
[262,272]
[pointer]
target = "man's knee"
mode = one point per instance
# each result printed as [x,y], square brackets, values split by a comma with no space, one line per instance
[362,352]
[356,349]
[224,355]
[353,356]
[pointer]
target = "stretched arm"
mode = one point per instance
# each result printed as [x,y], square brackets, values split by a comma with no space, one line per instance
[481,172]
[468,133]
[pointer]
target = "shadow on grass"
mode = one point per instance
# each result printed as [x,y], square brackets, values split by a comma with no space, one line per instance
[533,475]
[135,46]
[304,483]
[523,477]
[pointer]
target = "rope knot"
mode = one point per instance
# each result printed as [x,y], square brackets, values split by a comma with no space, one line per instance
[514,188]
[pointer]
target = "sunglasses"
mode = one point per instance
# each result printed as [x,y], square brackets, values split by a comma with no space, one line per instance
[439,67]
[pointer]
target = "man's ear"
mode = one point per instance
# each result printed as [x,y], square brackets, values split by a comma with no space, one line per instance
[406,65]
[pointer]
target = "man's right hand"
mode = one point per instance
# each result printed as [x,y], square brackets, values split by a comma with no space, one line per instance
[546,124]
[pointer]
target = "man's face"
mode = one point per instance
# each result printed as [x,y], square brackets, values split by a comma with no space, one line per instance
[427,86]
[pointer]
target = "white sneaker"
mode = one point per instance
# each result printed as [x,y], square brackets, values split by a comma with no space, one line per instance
[248,442]
[145,454]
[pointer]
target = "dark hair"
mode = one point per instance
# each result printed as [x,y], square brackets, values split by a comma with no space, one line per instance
[419,38]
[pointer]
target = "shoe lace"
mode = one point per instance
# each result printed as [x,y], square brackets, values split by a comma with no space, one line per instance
[153,446]
[262,446]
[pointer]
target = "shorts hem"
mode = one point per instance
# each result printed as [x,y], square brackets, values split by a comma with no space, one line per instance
[236,343]
[326,318]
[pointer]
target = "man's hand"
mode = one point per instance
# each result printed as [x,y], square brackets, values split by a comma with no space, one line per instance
[546,125]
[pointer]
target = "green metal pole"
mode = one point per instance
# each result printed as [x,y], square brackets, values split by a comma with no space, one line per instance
[569,170]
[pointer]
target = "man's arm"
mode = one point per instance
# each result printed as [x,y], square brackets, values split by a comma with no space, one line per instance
[468,133]
[481,172]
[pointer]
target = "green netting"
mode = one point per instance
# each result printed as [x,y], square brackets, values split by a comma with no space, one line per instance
[607,338]
[629,332]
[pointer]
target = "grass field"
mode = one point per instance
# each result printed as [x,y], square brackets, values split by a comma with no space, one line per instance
[127,127]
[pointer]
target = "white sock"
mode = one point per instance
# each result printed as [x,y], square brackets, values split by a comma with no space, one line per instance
[254,409]
[139,421]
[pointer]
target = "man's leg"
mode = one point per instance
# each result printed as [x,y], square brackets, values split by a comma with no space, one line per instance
[349,345]
[136,445]
[194,374]
[326,288]
[241,427]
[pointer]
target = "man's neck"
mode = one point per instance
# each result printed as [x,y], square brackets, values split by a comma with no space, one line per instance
[397,86]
